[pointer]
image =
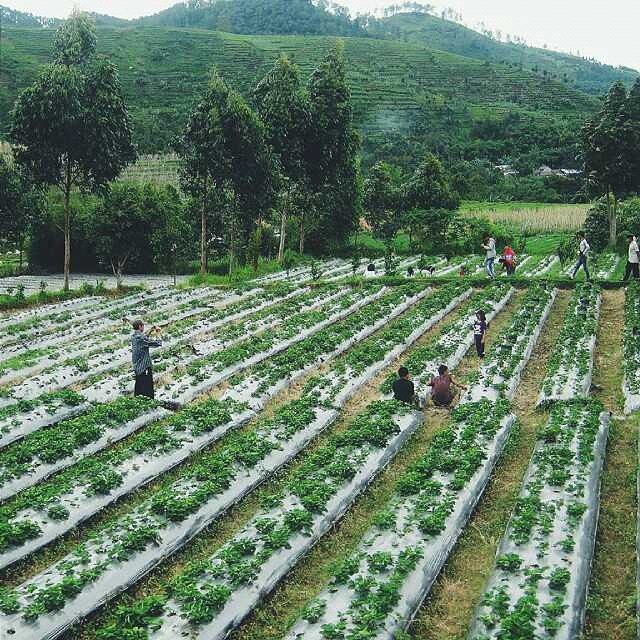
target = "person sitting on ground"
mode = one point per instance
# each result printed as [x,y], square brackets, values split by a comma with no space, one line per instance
[141,360]
[403,389]
[443,387]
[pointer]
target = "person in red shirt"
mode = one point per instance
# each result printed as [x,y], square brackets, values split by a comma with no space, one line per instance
[442,387]
[509,260]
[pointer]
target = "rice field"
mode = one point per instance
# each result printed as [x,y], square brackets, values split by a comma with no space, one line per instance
[530,217]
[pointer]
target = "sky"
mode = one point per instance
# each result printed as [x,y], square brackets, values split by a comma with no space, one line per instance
[605,30]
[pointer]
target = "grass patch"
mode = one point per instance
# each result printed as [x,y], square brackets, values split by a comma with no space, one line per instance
[611,604]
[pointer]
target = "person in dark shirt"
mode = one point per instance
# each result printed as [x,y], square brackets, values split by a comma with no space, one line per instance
[141,360]
[480,332]
[442,386]
[403,389]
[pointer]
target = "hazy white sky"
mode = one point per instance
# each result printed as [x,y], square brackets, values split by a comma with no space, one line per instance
[606,30]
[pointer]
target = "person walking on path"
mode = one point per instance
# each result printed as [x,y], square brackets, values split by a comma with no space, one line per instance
[141,360]
[509,260]
[490,247]
[633,259]
[443,388]
[480,332]
[583,253]
[403,389]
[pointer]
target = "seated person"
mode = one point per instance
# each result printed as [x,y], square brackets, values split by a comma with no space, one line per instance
[442,385]
[403,389]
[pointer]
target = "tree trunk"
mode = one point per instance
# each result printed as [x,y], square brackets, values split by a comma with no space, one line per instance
[67,225]
[301,245]
[204,247]
[232,247]
[203,243]
[283,233]
[613,220]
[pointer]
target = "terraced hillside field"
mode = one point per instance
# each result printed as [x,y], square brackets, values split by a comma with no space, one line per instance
[399,88]
[275,489]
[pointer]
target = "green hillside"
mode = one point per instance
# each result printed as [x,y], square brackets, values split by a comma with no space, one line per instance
[408,98]
[589,76]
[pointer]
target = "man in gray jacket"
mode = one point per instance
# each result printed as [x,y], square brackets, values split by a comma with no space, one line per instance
[141,359]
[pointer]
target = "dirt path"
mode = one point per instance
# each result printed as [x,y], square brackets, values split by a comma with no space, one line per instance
[448,610]
[611,604]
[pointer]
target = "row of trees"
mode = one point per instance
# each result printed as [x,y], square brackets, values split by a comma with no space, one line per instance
[292,155]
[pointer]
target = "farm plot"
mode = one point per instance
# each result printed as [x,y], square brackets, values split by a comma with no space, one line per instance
[164,445]
[539,584]
[226,363]
[175,513]
[264,569]
[571,364]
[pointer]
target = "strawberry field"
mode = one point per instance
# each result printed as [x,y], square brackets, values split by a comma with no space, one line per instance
[274,489]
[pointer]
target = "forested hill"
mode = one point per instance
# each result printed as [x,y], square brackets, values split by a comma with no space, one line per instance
[589,76]
[270,17]
[408,99]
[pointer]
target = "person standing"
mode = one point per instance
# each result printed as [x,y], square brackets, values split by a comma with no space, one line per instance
[403,389]
[141,360]
[633,259]
[583,253]
[480,332]
[509,260]
[490,247]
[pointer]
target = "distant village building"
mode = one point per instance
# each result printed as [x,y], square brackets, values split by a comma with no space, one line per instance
[506,169]
[546,172]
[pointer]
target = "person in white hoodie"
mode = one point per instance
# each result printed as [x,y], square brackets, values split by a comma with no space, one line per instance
[633,259]
[583,253]
[490,247]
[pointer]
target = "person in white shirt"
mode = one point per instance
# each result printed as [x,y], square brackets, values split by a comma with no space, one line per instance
[583,252]
[633,259]
[490,247]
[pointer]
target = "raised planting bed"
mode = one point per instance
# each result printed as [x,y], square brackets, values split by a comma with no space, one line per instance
[569,370]
[210,598]
[538,588]
[377,588]
[631,347]
[55,507]
[541,268]
[502,368]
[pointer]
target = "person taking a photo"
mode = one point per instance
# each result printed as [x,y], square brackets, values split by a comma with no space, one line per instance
[141,359]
